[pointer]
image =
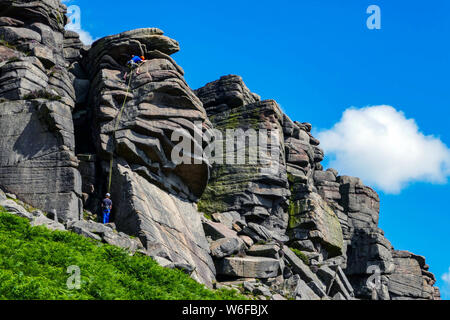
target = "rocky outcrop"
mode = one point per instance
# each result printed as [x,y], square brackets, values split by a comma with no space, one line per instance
[134,119]
[37,147]
[366,244]
[257,189]
[329,223]
[411,278]
[313,226]
[367,251]
[267,203]
[168,226]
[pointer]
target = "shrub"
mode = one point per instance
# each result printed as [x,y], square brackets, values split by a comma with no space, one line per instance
[5,43]
[301,255]
[14,59]
[34,262]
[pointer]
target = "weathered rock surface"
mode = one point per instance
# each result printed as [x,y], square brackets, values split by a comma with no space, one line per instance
[226,247]
[366,248]
[157,104]
[133,121]
[282,227]
[248,267]
[168,226]
[106,233]
[331,219]
[410,279]
[37,147]
[256,188]
[310,217]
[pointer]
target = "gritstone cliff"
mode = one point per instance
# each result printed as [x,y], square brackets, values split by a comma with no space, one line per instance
[298,232]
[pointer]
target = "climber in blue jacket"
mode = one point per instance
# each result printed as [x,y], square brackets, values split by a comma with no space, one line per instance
[106,206]
[135,62]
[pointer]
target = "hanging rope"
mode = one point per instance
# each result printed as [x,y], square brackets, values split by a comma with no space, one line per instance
[115,129]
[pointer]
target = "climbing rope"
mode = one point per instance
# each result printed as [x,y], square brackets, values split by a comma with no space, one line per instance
[115,129]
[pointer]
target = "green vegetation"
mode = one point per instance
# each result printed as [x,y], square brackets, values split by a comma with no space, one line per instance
[42,94]
[87,215]
[27,207]
[14,59]
[208,216]
[301,255]
[34,263]
[5,43]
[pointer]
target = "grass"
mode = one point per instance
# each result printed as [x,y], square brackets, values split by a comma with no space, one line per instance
[208,216]
[27,207]
[5,43]
[14,59]
[301,255]
[34,263]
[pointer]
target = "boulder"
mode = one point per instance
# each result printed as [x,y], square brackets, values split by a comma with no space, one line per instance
[105,233]
[265,250]
[299,267]
[227,218]
[257,188]
[249,267]
[226,247]
[39,219]
[248,241]
[339,296]
[12,207]
[262,290]
[37,161]
[36,218]
[297,289]
[218,231]
[304,245]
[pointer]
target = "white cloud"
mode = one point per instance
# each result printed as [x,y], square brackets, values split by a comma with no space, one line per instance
[446,277]
[445,291]
[384,148]
[85,36]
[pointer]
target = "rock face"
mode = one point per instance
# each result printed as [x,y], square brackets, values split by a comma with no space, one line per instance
[76,123]
[257,190]
[310,217]
[134,119]
[324,219]
[37,146]
[168,226]
[411,278]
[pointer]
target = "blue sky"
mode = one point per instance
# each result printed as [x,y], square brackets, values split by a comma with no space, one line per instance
[318,59]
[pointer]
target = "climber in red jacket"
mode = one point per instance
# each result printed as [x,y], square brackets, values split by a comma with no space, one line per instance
[135,62]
